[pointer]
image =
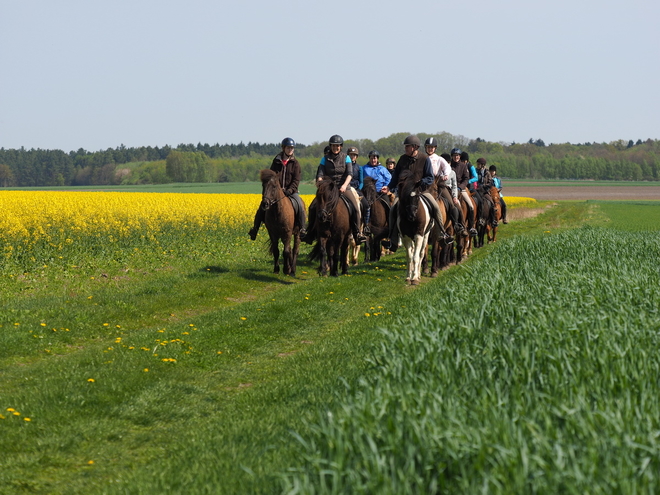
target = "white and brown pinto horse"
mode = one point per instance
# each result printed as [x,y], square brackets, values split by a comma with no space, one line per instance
[415,223]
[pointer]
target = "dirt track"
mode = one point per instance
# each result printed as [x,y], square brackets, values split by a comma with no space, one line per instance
[580,193]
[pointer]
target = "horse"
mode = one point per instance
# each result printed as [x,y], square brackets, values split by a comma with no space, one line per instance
[484,219]
[464,246]
[279,217]
[333,229]
[415,222]
[492,228]
[378,227]
[441,252]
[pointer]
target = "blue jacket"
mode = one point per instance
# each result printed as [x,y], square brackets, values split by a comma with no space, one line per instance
[379,174]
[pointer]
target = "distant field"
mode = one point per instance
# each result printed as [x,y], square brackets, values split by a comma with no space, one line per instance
[540,190]
[208,188]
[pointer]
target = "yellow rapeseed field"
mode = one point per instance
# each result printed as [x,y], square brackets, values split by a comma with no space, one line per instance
[39,224]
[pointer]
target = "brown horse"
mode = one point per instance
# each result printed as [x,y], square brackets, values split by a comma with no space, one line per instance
[333,229]
[491,228]
[483,218]
[464,246]
[279,218]
[378,220]
[415,223]
[440,251]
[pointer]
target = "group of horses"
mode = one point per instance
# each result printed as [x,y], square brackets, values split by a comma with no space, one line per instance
[334,245]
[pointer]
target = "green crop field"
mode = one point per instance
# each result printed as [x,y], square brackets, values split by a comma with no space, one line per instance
[530,368]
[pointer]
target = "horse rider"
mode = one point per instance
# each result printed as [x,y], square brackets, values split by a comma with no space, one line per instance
[443,171]
[497,183]
[420,165]
[288,171]
[462,177]
[485,181]
[381,177]
[357,182]
[339,167]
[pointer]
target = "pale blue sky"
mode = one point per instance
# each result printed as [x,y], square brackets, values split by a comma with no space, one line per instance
[96,74]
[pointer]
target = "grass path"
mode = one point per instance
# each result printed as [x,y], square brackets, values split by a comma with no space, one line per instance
[189,377]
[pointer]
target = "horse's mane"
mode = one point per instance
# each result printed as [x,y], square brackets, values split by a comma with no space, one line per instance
[329,192]
[369,189]
[267,174]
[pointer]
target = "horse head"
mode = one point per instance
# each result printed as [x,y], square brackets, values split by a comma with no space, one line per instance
[327,196]
[271,189]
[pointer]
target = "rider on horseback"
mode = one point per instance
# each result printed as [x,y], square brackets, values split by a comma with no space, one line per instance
[462,178]
[419,163]
[288,171]
[497,183]
[339,167]
[444,172]
[381,177]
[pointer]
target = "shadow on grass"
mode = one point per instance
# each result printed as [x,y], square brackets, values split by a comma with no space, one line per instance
[258,276]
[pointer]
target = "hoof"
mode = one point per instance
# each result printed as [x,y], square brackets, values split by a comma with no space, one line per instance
[414,282]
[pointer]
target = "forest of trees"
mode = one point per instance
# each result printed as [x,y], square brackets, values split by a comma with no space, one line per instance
[617,160]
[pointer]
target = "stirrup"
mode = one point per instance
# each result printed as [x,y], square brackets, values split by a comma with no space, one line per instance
[473,231]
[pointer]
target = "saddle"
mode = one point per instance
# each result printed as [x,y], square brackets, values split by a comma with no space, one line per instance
[349,204]
[295,204]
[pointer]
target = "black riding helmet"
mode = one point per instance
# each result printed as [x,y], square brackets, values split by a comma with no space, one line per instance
[456,151]
[336,139]
[431,142]
[412,139]
[288,142]
[374,153]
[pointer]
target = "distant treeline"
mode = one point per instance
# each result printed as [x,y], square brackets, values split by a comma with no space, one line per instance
[617,160]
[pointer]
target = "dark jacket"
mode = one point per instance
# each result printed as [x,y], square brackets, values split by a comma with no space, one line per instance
[420,166]
[289,175]
[335,166]
[462,174]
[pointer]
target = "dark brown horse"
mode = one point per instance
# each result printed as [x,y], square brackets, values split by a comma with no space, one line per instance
[378,220]
[491,229]
[333,229]
[441,252]
[415,223]
[279,218]
[484,216]
[464,246]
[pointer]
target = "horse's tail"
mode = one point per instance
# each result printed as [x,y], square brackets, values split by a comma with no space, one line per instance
[315,253]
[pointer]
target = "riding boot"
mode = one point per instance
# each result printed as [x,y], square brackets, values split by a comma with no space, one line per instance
[300,220]
[503,205]
[258,219]
[358,236]
[394,228]
[366,220]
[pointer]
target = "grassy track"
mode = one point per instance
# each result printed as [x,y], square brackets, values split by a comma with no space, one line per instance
[189,375]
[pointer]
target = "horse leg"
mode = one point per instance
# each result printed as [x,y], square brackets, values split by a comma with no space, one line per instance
[286,241]
[275,243]
[418,246]
[294,253]
[344,265]
[323,267]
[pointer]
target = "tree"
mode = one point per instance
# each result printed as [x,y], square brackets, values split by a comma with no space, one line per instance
[6,176]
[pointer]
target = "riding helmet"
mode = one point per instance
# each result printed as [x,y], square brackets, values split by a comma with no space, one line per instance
[412,139]
[288,142]
[456,151]
[336,139]
[352,149]
[431,142]
[465,156]
[374,153]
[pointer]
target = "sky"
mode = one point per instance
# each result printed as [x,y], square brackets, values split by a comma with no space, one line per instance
[95,75]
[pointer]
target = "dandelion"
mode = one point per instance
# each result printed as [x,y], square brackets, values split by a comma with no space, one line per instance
[16,413]
[27,419]
[145,370]
[90,462]
[2,417]
[42,324]
[91,380]
[243,318]
[219,352]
